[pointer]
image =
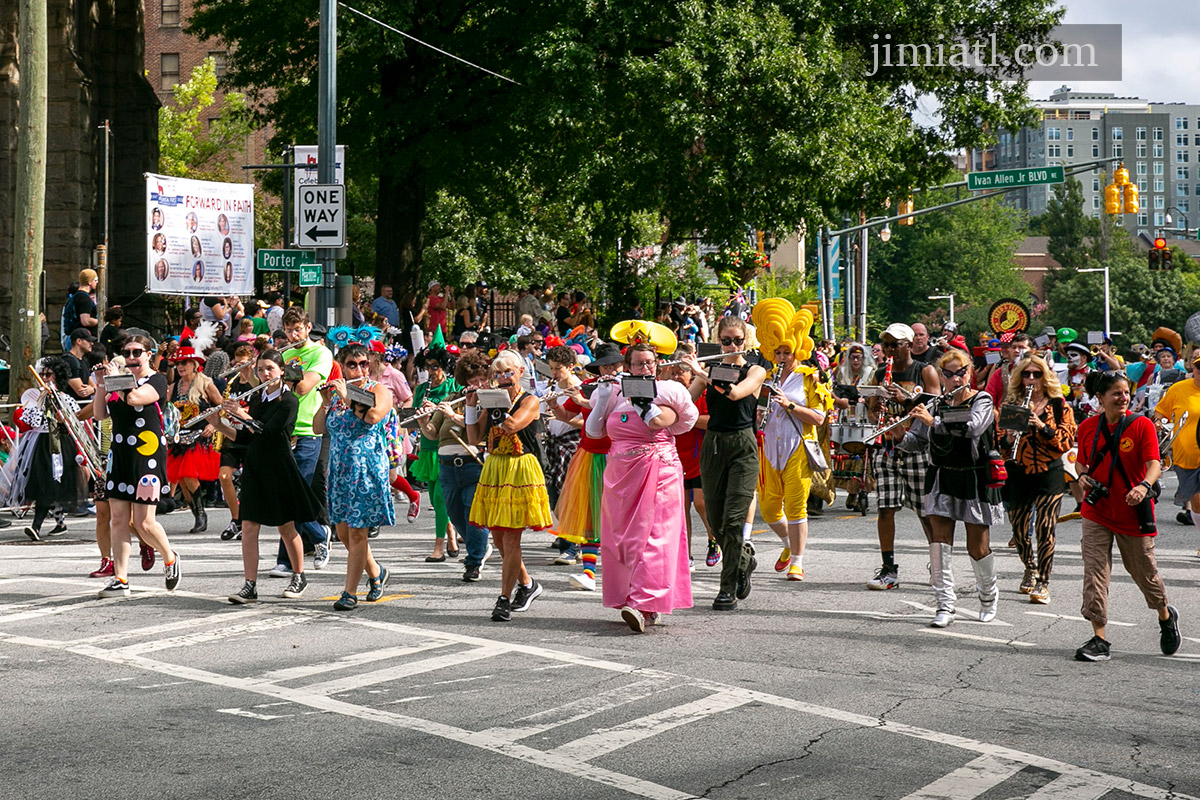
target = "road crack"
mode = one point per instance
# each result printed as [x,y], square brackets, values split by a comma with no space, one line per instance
[806,751]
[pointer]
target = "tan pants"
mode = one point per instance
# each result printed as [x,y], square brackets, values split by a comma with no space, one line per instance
[1137,554]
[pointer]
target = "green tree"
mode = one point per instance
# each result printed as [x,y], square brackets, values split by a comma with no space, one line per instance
[711,115]
[1072,234]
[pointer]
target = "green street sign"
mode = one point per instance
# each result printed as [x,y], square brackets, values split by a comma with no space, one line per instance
[310,275]
[1013,178]
[284,260]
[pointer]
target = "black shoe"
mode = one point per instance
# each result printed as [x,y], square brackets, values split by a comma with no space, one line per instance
[1094,649]
[524,596]
[199,513]
[373,532]
[245,595]
[743,584]
[503,610]
[1184,517]
[296,586]
[1169,638]
[32,533]
[5,523]
[171,573]
[59,526]
[471,574]
[725,602]
[232,531]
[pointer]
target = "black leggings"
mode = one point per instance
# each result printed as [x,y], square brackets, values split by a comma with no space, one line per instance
[1046,508]
[40,512]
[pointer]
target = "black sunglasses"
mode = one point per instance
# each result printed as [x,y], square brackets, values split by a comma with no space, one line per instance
[360,364]
[730,342]
[1031,373]
[889,345]
[133,353]
[956,373]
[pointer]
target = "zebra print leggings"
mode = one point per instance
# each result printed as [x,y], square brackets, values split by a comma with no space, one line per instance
[1046,509]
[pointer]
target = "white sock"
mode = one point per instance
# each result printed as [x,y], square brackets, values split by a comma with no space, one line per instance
[797,561]
[746,530]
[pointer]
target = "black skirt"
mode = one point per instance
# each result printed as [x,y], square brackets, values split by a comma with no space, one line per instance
[274,492]
[1022,487]
[39,483]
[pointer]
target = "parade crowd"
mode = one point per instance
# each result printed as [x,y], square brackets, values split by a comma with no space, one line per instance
[604,441]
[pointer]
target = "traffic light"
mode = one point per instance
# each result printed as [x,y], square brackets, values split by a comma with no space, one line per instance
[1121,176]
[905,207]
[1112,199]
[1166,258]
[1131,199]
[1159,256]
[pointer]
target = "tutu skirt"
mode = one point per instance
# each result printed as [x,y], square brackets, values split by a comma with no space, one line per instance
[426,467]
[578,507]
[199,461]
[511,494]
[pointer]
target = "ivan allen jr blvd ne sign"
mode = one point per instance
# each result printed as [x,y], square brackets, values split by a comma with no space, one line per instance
[1010,178]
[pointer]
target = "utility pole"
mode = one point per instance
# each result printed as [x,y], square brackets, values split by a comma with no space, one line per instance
[102,249]
[327,150]
[31,195]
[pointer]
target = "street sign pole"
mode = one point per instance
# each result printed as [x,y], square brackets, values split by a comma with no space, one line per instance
[326,147]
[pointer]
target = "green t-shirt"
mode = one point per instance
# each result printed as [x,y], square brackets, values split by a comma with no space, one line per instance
[260,326]
[313,357]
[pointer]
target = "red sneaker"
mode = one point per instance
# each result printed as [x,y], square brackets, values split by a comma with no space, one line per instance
[105,571]
[147,557]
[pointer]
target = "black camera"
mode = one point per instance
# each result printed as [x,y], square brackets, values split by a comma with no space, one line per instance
[1095,494]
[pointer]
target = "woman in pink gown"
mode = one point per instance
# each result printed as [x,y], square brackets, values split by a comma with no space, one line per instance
[644,548]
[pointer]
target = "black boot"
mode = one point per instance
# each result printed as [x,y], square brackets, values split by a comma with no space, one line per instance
[199,513]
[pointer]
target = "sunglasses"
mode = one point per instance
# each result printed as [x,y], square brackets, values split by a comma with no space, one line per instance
[47,374]
[359,364]
[508,373]
[1031,373]
[889,345]
[539,341]
[956,373]
[728,342]
[133,353]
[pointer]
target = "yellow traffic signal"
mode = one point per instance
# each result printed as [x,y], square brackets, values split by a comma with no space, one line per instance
[1112,199]
[1121,176]
[1131,199]
[905,207]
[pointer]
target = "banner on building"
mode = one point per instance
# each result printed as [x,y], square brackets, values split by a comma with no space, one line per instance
[199,237]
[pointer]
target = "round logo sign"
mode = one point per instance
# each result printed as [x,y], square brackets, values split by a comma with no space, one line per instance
[1008,315]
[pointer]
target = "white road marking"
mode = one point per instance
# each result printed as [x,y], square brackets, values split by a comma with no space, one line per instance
[362,680]
[884,615]
[241,712]
[973,637]
[1069,787]
[1077,619]
[345,662]
[579,709]
[167,627]
[213,634]
[608,740]
[970,780]
[993,624]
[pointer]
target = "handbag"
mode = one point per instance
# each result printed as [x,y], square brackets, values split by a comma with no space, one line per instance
[816,455]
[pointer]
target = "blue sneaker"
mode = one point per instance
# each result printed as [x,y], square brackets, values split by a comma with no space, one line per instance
[568,556]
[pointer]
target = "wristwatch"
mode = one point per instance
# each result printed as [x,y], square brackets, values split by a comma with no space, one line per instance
[1149,488]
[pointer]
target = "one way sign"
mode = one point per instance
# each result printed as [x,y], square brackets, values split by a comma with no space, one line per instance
[322,216]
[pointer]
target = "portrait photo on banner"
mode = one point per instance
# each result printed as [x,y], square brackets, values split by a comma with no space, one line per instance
[199,237]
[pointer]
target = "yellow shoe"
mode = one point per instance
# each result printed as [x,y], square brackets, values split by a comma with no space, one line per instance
[785,558]
[795,573]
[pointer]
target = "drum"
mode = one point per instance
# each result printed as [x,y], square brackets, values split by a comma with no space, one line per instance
[1068,461]
[850,436]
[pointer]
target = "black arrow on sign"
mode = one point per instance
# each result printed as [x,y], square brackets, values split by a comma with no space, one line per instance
[313,233]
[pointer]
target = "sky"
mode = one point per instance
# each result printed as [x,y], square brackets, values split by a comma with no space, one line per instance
[1160,49]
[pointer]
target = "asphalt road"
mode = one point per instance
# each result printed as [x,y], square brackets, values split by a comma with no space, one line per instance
[819,689]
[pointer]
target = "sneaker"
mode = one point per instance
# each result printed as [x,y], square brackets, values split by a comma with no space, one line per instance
[942,618]
[147,553]
[503,610]
[785,558]
[691,564]
[743,584]
[346,602]
[714,554]
[524,596]
[414,511]
[373,532]
[795,573]
[115,588]
[1094,649]
[724,602]
[1040,595]
[296,586]
[32,533]
[888,577]
[634,619]
[653,618]
[280,571]
[1184,517]
[376,585]
[568,556]
[245,595]
[582,581]
[60,526]
[171,573]
[1169,638]
[471,574]
[320,555]
[105,571]
[1027,582]
[232,531]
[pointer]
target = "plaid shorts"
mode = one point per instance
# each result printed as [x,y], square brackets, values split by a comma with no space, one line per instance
[900,478]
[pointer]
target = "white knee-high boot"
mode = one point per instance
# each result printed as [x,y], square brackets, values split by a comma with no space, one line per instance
[985,579]
[941,575]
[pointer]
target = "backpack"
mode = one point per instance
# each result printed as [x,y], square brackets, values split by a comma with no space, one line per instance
[68,320]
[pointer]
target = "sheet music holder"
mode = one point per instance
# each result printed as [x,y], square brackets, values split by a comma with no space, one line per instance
[119,383]
[357,394]
[494,398]
[639,386]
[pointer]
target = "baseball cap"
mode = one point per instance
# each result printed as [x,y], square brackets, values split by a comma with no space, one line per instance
[899,331]
[82,333]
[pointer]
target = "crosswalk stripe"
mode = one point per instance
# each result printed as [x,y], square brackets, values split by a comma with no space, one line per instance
[1070,787]
[352,682]
[970,780]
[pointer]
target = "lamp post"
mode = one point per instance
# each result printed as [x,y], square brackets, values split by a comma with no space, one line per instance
[949,297]
[1187,227]
[1107,322]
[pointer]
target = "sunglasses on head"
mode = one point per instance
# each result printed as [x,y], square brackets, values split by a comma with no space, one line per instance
[1031,373]
[727,341]
[956,373]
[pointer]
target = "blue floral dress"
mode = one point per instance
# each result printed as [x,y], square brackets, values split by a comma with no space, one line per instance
[359,494]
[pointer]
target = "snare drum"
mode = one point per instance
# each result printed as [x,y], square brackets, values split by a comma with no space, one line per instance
[850,436]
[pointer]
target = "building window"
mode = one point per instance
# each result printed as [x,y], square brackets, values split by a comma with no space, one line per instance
[1181,123]
[1158,219]
[1118,150]
[1160,201]
[1158,168]
[1095,134]
[1053,134]
[1054,151]
[1070,134]
[1070,151]
[1116,134]
[1183,205]
[1143,218]
[1095,184]
[1141,168]
[1158,134]
[1158,184]
[1095,151]
[1181,140]
[1140,134]
[1158,150]
[1141,184]
[1181,156]
[1095,201]
[168,67]
[170,12]
[1182,190]
[219,62]
[1141,149]
[1181,174]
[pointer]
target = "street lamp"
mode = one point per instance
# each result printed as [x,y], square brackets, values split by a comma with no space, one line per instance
[1187,227]
[1107,322]
[949,297]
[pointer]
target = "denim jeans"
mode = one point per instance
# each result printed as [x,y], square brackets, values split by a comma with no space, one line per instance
[308,456]
[458,490]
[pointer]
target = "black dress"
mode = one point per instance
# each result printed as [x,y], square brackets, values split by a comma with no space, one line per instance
[137,462]
[273,491]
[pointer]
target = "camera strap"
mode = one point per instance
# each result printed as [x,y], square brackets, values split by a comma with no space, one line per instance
[1111,442]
